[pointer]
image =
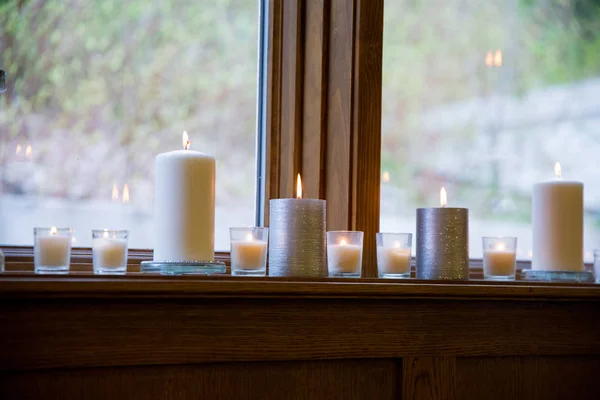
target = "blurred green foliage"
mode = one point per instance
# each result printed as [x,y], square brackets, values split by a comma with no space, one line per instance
[434,57]
[104,85]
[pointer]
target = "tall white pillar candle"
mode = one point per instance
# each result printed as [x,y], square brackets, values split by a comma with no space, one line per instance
[558,225]
[184,205]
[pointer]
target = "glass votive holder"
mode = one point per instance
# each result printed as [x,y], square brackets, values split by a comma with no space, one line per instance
[249,251]
[393,255]
[109,251]
[597,265]
[52,250]
[344,253]
[499,258]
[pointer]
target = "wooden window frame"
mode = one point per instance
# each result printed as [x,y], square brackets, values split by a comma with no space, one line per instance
[322,117]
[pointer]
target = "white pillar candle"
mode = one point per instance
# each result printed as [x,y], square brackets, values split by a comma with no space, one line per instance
[499,262]
[393,260]
[184,205]
[109,252]
[558,225]
[344,258]
[248,254]
[53,250]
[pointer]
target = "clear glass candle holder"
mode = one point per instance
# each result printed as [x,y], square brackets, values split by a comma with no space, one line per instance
[597,265]
[52,250]
[249,251]
[344,253]
[393,255]
[499,258]
[109,251]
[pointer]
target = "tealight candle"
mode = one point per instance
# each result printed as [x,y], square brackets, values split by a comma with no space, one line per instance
[109,251]
[249,251]
[393,254]
[499,258]
[52,250]
[344,253]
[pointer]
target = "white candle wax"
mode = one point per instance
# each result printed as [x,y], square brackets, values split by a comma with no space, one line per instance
[109,252]
[344,258]
[499,262]
[393,260]
[184,206]
[53,250]
[248,254]
[558,226]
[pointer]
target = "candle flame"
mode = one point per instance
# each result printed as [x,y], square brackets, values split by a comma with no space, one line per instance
[249,237]
[500,247]
[299,187]
[19,149]
[489,59]
[396,245]
[385,177]
[498,58]
[53,230]
[125,193]
[557,170]
[105,234]
[443,197]
[28,151]
[343,242]
[186,141]
[115,192]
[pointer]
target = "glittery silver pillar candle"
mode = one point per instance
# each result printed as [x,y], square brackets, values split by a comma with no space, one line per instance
[297,238]
[442,243]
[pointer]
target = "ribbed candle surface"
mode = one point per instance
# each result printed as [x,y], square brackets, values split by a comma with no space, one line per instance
[297,244]
[443,243]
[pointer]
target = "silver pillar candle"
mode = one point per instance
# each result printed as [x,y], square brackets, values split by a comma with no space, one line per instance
[297,238]
[442,243]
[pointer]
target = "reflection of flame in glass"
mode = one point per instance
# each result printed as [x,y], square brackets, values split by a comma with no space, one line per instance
[73,240]
[105,234]
[489,59]
[53,230]
[249,237]
[498,58]
[125,193]
[28,151]
[19,149]
[299,187]
[385,177]
[443,197]
[557,170]
[115,192]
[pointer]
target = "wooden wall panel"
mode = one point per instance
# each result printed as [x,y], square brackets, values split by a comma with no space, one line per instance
[330,380]
[491,378]
[428,378]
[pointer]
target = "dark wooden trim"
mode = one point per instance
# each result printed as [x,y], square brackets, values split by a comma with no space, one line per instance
[429,378]
[84,285]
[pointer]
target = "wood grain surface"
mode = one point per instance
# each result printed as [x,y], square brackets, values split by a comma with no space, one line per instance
[430,378]
[311,380]
[528,378]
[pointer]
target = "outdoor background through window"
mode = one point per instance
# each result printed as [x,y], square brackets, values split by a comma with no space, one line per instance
[98,88]
[483,97]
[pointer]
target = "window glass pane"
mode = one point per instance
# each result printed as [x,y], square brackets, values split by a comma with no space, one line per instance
[98,88]
[483,97]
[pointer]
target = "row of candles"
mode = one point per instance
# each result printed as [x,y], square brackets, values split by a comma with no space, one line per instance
[298,244]
[249,252]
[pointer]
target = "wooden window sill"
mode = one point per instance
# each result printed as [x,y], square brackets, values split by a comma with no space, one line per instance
[87,285]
